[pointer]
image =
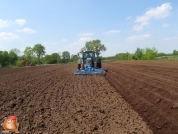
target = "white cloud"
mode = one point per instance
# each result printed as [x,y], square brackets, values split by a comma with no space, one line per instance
[159,12]
[64,39]
[3,23]
[80,42]
[20,21]
[138,37]
[140,27]
[171,38]
[75,47]
[8,36]
[111,32]
[129,17]
[165,25]
[86,34]
[26,30]
[84,39]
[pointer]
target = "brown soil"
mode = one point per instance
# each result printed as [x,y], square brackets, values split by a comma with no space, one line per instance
[52,100]
[151,88]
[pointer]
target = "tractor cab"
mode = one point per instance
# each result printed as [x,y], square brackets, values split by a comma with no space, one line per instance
[88,63]
[88,58]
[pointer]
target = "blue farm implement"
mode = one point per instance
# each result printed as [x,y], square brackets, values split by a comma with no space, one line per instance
[90,70]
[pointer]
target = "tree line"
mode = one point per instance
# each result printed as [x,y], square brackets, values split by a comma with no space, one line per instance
[140,54]
[35,55]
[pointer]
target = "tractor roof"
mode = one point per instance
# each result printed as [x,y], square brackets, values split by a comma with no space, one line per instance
[89,51]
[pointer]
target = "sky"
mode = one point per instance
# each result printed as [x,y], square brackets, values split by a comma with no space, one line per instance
[66,25]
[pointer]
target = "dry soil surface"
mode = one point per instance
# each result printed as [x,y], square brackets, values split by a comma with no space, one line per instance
[52,100]
[151,88]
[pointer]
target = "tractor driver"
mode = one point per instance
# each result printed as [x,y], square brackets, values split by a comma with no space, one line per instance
[88,59]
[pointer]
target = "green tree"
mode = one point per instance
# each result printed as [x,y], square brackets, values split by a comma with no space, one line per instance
[12,57]
[4,58]
[117,56]
[65,56]
[94,45]
[47,59]
[54,58]
[29,54]
[139,53]
[39,50]
[175,52]
[123,56]
[150,54]
[16,51]
[74,58]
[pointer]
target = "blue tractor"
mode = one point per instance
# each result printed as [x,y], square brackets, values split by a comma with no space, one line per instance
[89,63]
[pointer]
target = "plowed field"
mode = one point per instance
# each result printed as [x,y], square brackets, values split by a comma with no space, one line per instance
[140,97]
[151,88]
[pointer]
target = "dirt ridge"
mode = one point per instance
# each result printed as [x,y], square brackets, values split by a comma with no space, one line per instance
[148,92]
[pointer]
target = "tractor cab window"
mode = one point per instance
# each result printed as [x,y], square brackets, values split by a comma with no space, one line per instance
[88,55]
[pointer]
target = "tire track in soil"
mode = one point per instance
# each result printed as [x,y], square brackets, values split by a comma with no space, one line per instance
[52,100]
[154,100]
